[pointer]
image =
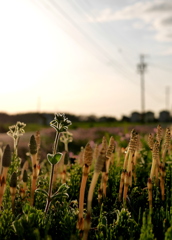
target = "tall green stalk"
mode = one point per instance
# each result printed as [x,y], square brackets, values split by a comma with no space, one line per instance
[52,172]
[60,124]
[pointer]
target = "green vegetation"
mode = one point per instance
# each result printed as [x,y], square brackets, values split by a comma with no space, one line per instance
[124,125]
[118,187]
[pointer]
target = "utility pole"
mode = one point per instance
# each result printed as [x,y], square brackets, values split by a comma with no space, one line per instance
[141,67]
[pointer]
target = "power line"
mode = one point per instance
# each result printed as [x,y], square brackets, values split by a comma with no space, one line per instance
[91,4]
[79,8]
[130,79]
[96,45]
[103,29]
[100,49]
[161,67]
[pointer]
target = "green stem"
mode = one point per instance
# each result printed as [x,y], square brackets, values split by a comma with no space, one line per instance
[50,189]
[66,146]
[51,175]
[56,142]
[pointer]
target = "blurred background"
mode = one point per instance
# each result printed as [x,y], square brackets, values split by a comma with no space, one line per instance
[101,58]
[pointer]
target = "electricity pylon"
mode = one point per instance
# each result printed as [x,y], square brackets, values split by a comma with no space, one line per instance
[141,67]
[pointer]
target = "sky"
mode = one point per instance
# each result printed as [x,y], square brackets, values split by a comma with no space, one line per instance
[81,56]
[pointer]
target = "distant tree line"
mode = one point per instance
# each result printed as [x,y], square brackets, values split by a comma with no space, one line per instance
[45,118]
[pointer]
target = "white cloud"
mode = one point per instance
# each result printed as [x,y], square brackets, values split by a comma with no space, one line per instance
[155,15]
[138,25]
[167,52]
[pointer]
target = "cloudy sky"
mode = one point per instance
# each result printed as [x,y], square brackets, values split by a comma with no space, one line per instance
[81,56]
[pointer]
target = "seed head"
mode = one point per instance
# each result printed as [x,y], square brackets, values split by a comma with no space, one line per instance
[33,145]
[6,158]
[13,181]
[150,141]
[133,141]
[167,138]
[159,134]
[100,160]
[155,152]
[110,147]
[104,142]
[88,155]
[96,151]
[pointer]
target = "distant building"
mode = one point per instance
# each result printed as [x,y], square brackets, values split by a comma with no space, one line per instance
[164,116]
[136,117]
[149,117]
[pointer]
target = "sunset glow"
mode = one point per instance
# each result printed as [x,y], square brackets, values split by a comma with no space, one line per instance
[54,57]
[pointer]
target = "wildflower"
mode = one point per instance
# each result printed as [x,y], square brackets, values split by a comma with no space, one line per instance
[60,122]
[15,131]
[66,137]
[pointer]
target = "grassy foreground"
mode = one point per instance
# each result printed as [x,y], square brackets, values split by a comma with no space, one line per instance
[116,187]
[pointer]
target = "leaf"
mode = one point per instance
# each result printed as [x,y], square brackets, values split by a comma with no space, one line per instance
[59,196]
[42,191]
[57,157]
[50,157]
[61,190]
[54,158]
[63,187]
[104,220]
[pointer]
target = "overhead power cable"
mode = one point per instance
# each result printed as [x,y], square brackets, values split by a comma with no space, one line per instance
[96,45]
[161,67]
[77,6]
[53,6]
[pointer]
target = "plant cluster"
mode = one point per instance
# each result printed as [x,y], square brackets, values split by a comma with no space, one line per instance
[110,192]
